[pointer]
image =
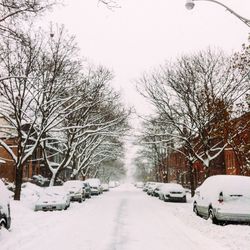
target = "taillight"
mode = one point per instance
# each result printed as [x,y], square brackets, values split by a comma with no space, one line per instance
[220,197]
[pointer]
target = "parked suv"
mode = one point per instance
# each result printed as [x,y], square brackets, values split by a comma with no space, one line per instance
[5,219]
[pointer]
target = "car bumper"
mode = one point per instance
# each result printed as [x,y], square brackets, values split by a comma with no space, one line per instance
[229,216]
[75,197]
[50,207]
[95,191]
[175,198]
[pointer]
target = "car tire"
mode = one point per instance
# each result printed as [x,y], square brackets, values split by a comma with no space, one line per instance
[212,216]
[3,224]
[195,210]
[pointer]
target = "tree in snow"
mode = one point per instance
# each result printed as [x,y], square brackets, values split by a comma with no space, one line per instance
[112,170]
[90,117]
[154,140]
[18,90]
[37,73]
[196,97]
[17,16]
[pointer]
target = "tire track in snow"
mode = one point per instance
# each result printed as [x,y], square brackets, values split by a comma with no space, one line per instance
[119,238]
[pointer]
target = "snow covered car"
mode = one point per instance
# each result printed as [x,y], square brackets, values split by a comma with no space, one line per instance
[112,184]
[95,185]
[151,188]
[53,198]
[139,184]
[146,186]
[157,189]
[223,198]
[105,187]
[172,192]
[5,219]
[87,189]
[76,190]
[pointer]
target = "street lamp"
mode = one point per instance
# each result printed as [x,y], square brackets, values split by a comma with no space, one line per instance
[190,5]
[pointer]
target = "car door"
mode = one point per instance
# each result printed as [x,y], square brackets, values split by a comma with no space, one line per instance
[201,201]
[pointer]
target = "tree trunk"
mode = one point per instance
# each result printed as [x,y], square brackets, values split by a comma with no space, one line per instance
[191,177]
[18,182]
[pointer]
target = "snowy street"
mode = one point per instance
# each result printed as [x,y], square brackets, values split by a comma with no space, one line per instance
[124,218]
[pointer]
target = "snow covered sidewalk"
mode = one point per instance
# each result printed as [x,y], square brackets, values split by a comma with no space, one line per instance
[123,219]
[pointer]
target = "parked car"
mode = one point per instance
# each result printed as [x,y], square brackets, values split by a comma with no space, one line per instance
[151,188]
[112,184]
[157,189]
[53,198]
[76,190]
[5,218]
[172,192]
[105,187]
[87,189]
[139,184]
[223,198]
[95,185]
[146,186]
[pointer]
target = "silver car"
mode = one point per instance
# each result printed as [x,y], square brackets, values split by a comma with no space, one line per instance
[223,198]
[53,198]
[172,192]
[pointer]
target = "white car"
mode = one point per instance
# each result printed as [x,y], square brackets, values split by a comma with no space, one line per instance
[223,198]
[157,189]
[95,185]
[53,198]
[105,187]
[139,184]
[112,184]
[5,219]
[76,190]
[172,192]
[151,187]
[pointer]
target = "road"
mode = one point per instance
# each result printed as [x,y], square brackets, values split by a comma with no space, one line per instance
[124,218]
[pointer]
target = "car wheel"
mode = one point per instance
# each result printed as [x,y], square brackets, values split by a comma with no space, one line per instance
[80,200]
[2,224]
[196,210]
[212,216]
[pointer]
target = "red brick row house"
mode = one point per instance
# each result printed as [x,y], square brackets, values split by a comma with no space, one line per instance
[235,159]
[7,169]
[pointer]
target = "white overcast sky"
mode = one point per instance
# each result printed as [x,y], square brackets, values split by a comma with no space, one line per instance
[144,33]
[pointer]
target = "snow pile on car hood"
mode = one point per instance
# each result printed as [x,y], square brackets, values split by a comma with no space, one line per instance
[227,184]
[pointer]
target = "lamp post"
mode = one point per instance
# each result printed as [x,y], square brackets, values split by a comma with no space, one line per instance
[190,5]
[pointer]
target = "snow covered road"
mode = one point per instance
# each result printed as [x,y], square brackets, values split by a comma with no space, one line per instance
[123,219]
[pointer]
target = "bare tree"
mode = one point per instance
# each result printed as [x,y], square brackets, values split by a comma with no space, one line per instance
[196,97]
[17,89]
[18,15]
[86,125]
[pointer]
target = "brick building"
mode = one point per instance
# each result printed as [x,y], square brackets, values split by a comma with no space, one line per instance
[235,159]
